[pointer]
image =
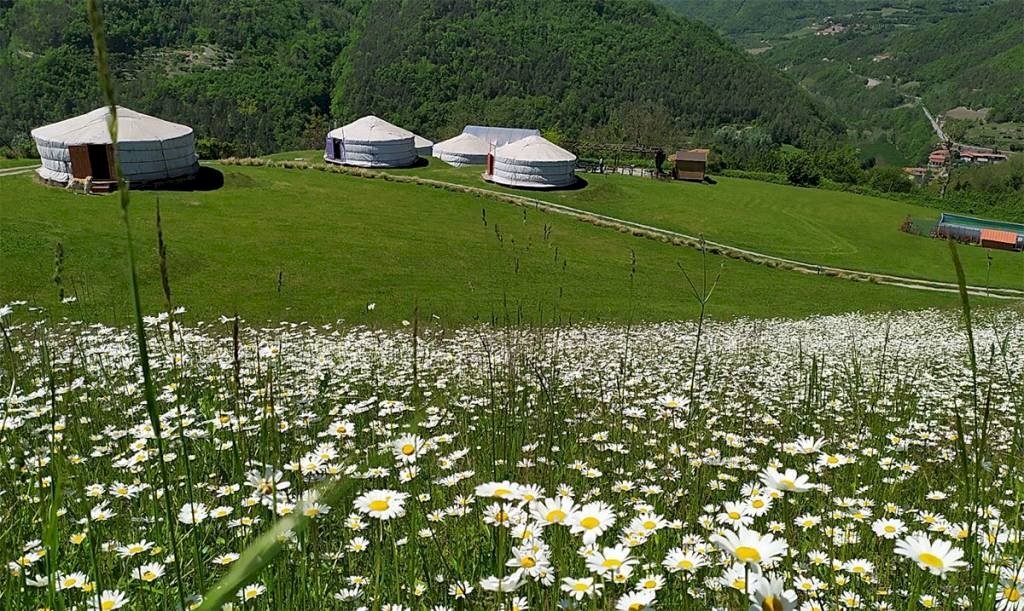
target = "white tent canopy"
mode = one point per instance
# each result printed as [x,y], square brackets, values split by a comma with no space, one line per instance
[534,162]
[371,142]
[423,146]
[499,136]
[464,149]
[148,148]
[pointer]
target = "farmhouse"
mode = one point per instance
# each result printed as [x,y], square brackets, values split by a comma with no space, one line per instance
[532,162]
[371,142]
[149,150]
[464,149]
[977,156]
[991,234]
[689,165]
[938,158]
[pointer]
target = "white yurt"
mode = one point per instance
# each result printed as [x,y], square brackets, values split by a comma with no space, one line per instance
[464,149]
[371,142]
[499,136]
[533,162]
[148,149]
[423,146]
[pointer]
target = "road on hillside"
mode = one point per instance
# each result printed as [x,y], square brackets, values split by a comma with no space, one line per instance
[935,125]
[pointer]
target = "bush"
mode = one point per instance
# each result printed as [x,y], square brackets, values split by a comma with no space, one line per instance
[801,170]
[889,179]
[215,148]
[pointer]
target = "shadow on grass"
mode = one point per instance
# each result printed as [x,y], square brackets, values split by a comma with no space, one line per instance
[207,179]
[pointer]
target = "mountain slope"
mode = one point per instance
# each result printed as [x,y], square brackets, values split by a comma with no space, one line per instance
[437,64]
[259,76]
[870,61]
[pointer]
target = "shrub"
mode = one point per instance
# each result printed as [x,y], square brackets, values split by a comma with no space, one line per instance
[215,148]
[801,171]
[889,179]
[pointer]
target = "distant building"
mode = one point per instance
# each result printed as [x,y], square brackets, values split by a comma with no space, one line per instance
[918,175]
[832,30]
[689,165]
[938,158]
[991,234]
[981,157]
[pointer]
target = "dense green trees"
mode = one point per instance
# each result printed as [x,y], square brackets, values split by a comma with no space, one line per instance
[246,74]
[891,55]
[255,76]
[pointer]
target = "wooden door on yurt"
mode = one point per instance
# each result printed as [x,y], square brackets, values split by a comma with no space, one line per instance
[81,166]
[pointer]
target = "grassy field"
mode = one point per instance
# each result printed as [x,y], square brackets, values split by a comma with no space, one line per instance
[17,163]
[277,244]
[811,225]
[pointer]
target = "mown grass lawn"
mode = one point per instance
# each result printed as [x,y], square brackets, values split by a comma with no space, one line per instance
[17,163]
[811,225]
[277,244]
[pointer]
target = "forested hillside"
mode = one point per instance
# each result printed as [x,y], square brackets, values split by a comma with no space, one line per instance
[255,76]
[870,61]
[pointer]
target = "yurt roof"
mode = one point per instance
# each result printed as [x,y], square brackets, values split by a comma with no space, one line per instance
[534,148]
[499,135]
[464,144]
[370,128]
[91,128]
[420,142]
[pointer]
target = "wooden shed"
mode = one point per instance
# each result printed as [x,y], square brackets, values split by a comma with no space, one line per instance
[689,165]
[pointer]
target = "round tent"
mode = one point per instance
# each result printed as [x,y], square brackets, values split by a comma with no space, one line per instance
[371,142]
[423,146]
[464,149]
[148,149]
[534,162]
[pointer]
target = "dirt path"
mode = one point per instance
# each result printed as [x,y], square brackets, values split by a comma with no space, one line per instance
[18,170]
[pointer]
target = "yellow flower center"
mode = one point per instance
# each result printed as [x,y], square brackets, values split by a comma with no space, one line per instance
[107,605]
[771,603]
[528,562]
[931,560]
[590,522]
[611,563]
[408,449]
[148,576]
[650,584]
[684,564]
[747,554]
[1011,594]
[635,607]
[757,504]
[502,492]
[555,515]
[379,505]
[579,586]
[788,483]
[734,515]
[70,582]
[649,524]
[889,528]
